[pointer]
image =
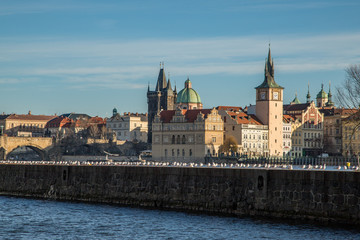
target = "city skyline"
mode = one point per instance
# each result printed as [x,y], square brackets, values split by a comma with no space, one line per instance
[72,57]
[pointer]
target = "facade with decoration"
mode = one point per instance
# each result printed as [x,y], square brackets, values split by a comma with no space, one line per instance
[306,129]
[184,135]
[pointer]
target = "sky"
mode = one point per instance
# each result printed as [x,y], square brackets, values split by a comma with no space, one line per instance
[91,56]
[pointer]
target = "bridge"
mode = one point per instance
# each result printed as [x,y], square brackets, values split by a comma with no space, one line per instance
[41,145]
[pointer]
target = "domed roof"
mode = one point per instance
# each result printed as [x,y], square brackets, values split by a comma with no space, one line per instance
[188,94]
[322,93]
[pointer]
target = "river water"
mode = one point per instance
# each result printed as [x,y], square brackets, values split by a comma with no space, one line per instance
[42,219]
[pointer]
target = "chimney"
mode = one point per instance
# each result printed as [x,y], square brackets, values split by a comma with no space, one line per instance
[29,113]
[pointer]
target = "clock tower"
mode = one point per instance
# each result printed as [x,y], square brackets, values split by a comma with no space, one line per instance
[269,108]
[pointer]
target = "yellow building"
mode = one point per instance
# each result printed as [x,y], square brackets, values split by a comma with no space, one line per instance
[186,135]
[333,121]
[350,128]
[24,124]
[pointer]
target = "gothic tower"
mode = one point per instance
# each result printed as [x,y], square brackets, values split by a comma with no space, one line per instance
[162,98]
[269,108]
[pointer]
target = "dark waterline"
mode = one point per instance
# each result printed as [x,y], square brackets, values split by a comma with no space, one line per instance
[42,219]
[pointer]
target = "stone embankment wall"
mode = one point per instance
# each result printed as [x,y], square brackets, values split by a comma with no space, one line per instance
[329,196]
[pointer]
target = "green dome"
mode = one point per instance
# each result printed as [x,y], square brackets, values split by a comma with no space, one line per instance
[322,93]
[188,95]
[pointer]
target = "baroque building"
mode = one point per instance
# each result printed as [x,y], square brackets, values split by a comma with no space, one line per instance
[162,98]
[306,129]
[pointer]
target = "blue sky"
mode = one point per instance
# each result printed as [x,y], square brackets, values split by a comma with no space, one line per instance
[92,56]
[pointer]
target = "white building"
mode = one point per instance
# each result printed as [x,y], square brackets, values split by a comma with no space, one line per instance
[287,120]
[250,134]
[129,126]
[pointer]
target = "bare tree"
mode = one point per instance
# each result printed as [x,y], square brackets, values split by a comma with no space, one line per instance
[348,94]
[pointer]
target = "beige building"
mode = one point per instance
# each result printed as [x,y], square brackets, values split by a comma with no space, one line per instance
[350,139]
[269,108]
[250,134]
[129,126]
[333,121]
[24,124]
[186,135]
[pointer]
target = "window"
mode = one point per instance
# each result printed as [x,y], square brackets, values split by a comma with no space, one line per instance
[172,152]
[213,139]
[178,139]
[183,152]
[173,139]
[166,152]
[190,152]
[178,152]
[233,128]
[183,139]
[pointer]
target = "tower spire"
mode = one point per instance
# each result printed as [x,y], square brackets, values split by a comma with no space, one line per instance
[269,81]
[308,94]
[161,82]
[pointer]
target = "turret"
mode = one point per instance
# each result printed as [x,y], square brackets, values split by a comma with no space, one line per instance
[308,94]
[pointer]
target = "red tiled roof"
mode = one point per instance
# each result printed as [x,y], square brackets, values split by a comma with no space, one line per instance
[243,118]
[60,121]
[190,115]
[288,118]
[229,108]
[339,111]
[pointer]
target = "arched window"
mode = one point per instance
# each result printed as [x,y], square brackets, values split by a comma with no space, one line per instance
[178,152]
[190,152]
[183,152]
[173,139]
[183,139]
[178,139]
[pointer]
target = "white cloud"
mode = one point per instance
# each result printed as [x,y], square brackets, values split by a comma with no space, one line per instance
[109,63]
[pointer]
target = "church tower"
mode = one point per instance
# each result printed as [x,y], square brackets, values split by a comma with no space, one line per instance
[321,98]
[162,98]
[269,108]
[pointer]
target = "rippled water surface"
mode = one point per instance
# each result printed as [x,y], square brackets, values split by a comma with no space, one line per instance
[41,219]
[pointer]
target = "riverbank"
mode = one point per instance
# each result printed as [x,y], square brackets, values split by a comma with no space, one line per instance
[323,196]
